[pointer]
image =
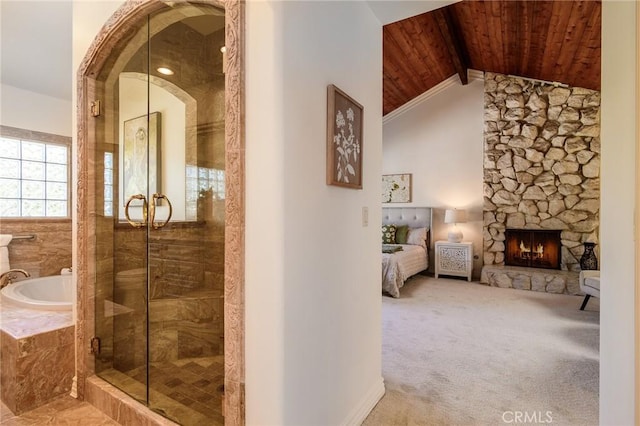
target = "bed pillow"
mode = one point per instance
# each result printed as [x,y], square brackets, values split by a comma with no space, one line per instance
[388,234]
[417,237]
[402,232]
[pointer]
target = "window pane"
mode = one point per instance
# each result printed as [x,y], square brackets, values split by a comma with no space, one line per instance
[191,171]
[33,189]
[108,160]
[56,154]
[33,178]
[9,188]
[32,170]
[108,208]
[191,211]
[203,173]
[108,193]
[56,208]
[33,151]
[9,208]
[192,185]
[10,148]
[32,207]
[108,177]
[56,173]
[9,168]
[56,191]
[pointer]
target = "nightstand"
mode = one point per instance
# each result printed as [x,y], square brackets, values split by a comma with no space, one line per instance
[454,259]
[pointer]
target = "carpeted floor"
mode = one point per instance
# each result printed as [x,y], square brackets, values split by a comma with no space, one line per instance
[459,353]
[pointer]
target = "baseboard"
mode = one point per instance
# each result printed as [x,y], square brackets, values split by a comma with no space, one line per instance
[362,410]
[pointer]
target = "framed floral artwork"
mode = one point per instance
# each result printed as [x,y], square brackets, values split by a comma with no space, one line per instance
[344,139]
[141,171]
[396,188]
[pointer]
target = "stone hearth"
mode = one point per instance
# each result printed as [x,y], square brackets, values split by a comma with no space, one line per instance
[536,279]
[541,171]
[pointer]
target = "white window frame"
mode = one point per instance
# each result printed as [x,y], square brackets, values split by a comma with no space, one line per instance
[45,138]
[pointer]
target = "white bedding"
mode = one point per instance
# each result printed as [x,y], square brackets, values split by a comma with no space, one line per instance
[399,266]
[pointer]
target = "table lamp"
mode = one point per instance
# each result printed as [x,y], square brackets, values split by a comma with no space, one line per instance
[455,216]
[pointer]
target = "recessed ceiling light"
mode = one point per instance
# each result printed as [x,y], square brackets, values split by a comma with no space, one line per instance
[165,71]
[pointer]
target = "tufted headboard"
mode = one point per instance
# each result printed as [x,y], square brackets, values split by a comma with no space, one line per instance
[414,217]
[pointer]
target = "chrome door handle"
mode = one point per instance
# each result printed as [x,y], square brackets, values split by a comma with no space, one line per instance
[144,210]
[152,209]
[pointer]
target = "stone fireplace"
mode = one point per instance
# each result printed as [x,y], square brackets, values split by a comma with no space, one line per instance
[533,248]
[541,173]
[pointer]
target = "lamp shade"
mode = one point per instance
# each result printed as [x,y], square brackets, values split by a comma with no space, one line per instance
[455,216]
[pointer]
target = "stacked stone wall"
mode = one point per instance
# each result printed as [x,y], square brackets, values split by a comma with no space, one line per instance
[541,164]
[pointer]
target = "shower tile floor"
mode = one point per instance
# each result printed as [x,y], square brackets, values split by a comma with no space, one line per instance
[188,391]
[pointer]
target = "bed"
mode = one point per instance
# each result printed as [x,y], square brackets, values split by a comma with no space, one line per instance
[402,261]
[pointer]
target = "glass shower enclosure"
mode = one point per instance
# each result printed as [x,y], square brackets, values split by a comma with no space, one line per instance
[159,208]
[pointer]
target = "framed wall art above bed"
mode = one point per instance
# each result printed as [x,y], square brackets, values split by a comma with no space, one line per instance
[396,188]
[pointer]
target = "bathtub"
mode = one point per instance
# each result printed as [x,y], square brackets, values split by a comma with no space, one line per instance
[47,293]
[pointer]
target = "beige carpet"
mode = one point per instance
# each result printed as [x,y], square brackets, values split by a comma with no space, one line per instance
[459,353]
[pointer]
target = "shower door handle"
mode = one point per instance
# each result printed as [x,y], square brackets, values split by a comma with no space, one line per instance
[144,210]
[152,212]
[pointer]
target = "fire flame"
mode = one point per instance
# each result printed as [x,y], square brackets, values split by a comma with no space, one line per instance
[525,252]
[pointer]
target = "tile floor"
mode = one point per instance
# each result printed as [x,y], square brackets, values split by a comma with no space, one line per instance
[187,391]
[63,410]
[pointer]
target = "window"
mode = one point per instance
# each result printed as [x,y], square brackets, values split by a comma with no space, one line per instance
[203,182]
[108,184]
[34,177]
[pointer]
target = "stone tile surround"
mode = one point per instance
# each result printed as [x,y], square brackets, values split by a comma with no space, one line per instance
[37,356]
[47,253]
[120,406]
[541,171]
[63,410]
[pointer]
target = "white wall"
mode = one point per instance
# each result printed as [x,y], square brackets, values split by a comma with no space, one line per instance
[618,257]
[440,142]
[34,111]
[313,330]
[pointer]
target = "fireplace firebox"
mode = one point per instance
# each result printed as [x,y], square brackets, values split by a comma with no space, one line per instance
[534,248]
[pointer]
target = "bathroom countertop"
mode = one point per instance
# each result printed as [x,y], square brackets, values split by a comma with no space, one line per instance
[20,322]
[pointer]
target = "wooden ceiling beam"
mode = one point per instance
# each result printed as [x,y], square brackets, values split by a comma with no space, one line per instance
[541,39]
[453,41]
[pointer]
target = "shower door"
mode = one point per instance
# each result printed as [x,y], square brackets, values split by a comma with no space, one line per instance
[160,215]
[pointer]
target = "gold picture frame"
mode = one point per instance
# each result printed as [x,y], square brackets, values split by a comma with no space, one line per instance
[344,139]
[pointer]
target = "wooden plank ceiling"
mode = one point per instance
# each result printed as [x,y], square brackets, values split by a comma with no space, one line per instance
[545,40]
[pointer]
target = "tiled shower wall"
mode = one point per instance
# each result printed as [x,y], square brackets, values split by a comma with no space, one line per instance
[186,280]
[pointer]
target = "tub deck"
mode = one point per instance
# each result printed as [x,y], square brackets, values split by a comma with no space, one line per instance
[21,322]
[37,356]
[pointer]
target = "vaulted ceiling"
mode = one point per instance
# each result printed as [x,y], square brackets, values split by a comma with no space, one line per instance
[545,40]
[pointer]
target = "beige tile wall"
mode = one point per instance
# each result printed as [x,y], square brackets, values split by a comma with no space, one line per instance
[45,255]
